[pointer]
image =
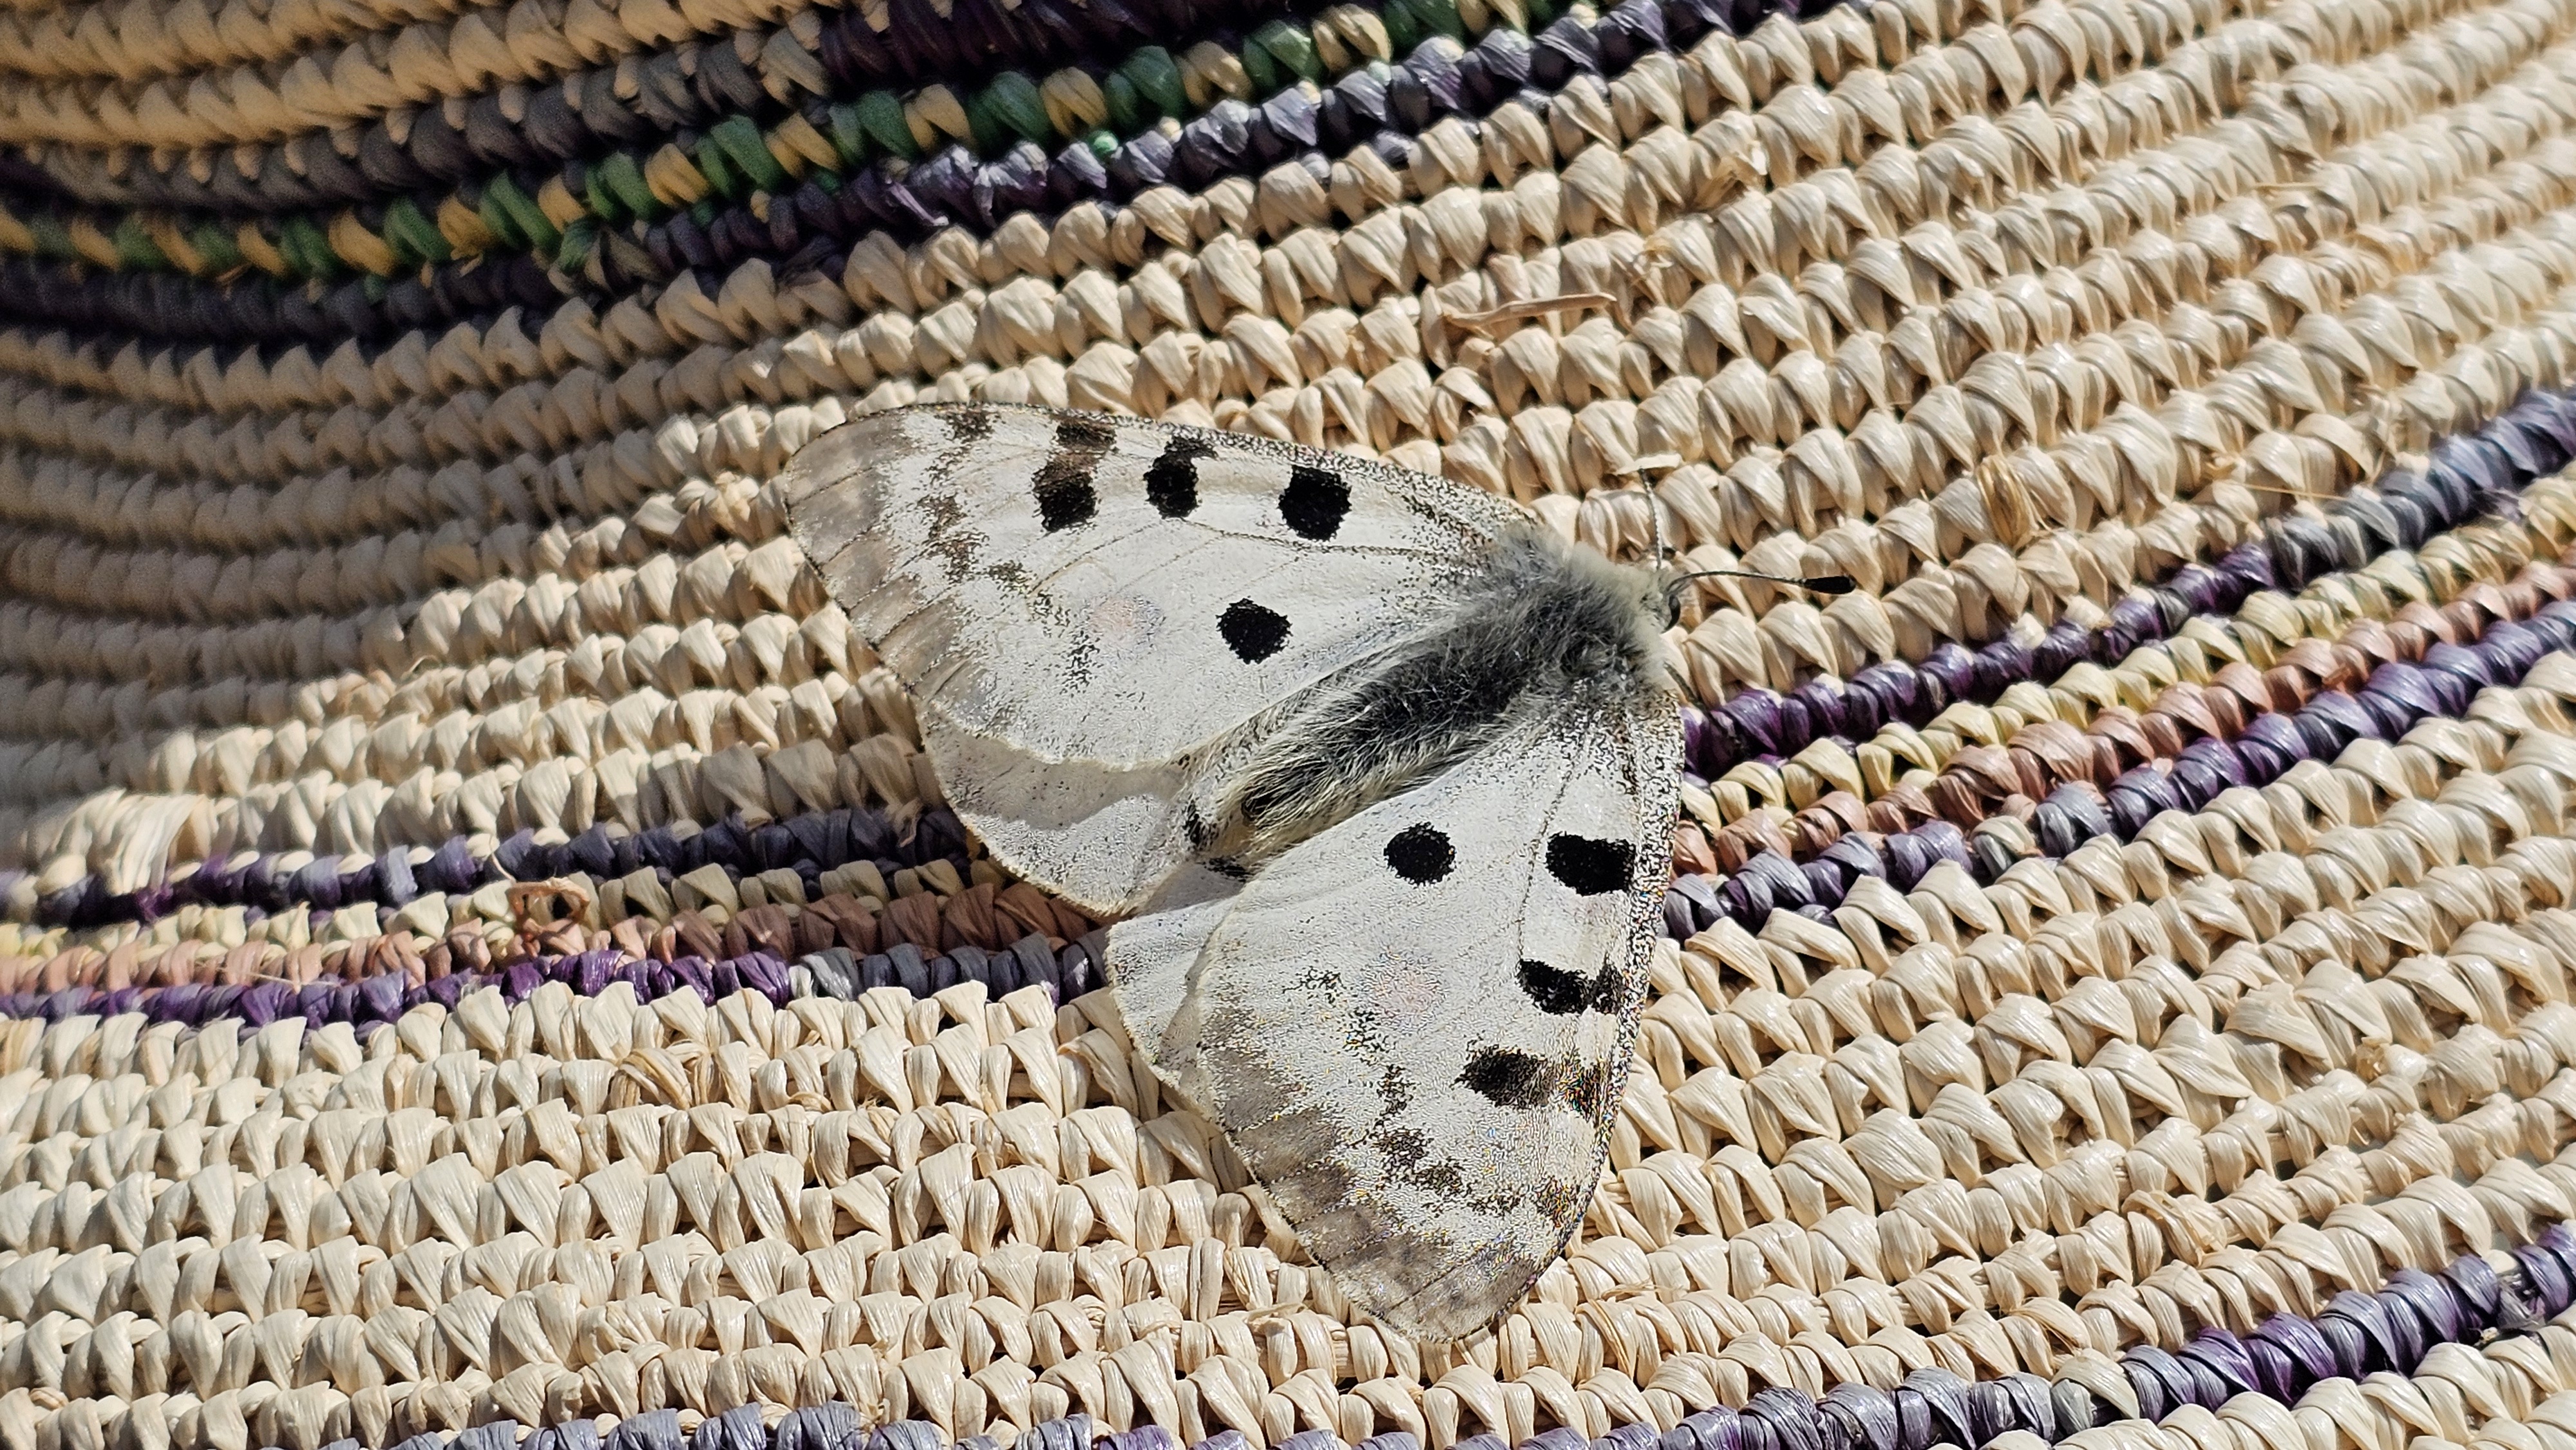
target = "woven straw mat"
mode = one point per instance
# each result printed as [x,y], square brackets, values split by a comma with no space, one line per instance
[484,961]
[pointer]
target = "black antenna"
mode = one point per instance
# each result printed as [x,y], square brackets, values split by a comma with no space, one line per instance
[1820,584]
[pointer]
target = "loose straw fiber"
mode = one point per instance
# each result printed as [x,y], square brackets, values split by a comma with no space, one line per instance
[484,960]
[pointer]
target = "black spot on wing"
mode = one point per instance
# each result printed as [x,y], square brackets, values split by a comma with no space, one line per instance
[1590,867]
[1066,494]
[1421,854]
[1172,482]
[1560,993]
[1608,989]
[1251,631]
[1405,1148]
[968,425]
[1315,502]
[1509,1079]
[1413,1157]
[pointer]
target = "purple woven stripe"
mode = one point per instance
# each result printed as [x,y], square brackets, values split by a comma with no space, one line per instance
[2471,474]
[808,845]
[2358,1334]
[2478,473]
[2395,699]
[369,1002]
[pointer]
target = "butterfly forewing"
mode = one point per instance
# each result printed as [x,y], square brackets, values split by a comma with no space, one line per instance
[1414,1026]
[1082,587]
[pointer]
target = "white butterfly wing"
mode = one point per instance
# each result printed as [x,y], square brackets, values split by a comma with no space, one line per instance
[1086,588]
[1099,835]
[1414,1026]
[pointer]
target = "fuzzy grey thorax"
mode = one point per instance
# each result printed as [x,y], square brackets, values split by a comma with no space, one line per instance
[1539,630]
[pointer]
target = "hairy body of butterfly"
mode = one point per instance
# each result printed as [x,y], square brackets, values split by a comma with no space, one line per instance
[1539,629]
[1384,772]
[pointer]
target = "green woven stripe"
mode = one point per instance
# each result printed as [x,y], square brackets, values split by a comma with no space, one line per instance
[736,159]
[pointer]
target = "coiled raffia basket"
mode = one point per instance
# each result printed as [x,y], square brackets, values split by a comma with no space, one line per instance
[485,961]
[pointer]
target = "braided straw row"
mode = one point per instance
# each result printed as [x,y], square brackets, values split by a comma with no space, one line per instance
[1008,1136]
[448,925]
[2209,680]
[630,1030]
[459,632]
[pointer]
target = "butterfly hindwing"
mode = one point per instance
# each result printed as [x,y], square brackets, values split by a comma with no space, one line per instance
[1414,1026]
[1100,835]
[1053,580]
